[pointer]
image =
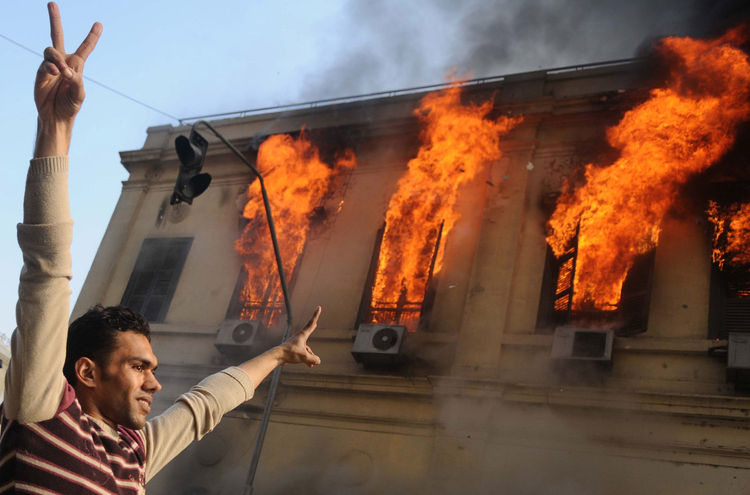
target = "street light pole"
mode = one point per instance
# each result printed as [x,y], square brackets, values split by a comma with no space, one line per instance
[276,376]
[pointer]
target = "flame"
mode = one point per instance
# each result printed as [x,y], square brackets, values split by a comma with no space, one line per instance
[457,141]
[297,182]
[682,129]
[731,239]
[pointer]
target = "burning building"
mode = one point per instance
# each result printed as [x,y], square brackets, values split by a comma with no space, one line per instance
[543,278]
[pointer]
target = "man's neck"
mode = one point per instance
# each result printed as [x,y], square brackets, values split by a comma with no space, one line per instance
[88,405]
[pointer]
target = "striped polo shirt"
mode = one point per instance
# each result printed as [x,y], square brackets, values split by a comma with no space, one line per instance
[70,454]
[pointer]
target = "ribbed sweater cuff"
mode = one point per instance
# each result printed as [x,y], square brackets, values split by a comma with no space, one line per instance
[46,198]
[46,166]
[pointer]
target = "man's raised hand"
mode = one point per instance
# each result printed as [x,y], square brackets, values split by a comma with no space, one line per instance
[58,89]
[296,349]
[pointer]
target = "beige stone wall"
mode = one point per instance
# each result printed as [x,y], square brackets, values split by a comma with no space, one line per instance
[5,359]
[481,408]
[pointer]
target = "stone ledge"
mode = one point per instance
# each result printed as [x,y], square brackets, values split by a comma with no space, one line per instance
[636,344]
[694,405]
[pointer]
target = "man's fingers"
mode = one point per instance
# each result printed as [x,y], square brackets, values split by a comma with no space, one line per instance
[55,27]
[49,68]
[52,56]
[313,323]
[311,359]
[88,44]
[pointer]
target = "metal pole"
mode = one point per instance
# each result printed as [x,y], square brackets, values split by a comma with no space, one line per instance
[276,376]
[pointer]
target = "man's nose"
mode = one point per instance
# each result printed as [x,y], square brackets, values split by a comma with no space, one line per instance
[152,384]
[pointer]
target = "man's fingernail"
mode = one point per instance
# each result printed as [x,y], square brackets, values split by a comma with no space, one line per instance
[68,72]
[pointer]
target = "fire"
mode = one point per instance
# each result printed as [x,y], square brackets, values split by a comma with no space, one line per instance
[731,239]
[297,182]
[682,129]
[457,141]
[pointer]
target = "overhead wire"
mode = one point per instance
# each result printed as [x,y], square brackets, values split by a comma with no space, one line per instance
[94,81]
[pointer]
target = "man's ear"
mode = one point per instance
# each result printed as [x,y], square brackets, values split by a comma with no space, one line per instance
[87,372]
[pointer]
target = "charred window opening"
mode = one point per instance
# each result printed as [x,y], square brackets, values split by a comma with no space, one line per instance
[729,308]
[261,299]
[556,307]
[729,218]
[305,194]
[557,290]
[401,310]
[155,276]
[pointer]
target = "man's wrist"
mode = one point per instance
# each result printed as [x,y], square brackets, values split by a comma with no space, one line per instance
[279,354]
[53,137]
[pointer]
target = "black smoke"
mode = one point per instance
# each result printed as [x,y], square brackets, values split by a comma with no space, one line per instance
[393,44]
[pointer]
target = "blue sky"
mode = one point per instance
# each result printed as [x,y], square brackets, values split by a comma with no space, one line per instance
[191,58]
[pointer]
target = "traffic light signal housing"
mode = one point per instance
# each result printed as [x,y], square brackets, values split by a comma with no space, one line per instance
[190,181]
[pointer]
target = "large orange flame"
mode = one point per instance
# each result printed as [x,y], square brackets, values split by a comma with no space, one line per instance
[731,239]
[682,129]
[457,141]
[297,182]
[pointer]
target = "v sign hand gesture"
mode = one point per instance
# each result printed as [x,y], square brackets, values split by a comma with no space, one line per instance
[58,89]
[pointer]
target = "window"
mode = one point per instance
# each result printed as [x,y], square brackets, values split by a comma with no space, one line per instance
[556,302]
[264,300]
[729,308]
[413,314]
[729,303]
[155,276]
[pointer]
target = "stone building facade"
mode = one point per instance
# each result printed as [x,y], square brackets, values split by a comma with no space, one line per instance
[480,406]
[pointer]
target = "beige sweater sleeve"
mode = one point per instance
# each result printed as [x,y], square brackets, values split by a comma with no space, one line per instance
[193,415]
[34,383]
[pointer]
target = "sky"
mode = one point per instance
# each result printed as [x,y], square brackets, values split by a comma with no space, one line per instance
[187,58]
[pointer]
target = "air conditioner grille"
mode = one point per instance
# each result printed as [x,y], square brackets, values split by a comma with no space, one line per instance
[243,332]
[379,345]
[385,338]
[589,344]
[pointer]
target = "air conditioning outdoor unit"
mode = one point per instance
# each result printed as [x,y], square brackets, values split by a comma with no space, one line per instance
[379,345]
[236,338]
[738,359]
[583,344]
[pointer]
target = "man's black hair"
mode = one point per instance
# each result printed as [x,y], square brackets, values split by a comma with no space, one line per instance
[94,335]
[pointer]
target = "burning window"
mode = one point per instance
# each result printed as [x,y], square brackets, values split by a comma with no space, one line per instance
[558,305]
[155,275]
[399,309]
[458,141]
[299,184]
[729,309]
[265,309]
[681,130]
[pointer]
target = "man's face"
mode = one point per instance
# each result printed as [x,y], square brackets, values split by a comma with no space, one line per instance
[127,382]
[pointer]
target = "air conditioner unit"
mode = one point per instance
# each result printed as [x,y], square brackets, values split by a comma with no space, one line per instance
[583,344]
[738,359]
[379,345]
[236,338]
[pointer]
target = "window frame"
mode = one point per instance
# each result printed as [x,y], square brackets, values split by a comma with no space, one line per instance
[631,315]
[149,288]
[365,313]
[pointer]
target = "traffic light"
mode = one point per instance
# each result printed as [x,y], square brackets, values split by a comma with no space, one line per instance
[190,182]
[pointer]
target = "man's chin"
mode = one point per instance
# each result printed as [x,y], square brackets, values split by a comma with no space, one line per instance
[135,423]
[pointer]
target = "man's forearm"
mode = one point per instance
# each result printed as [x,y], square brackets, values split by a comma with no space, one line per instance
[53,138]
[261,366]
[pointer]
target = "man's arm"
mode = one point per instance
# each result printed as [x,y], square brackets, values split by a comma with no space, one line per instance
[198,411]
[295,350]
[34,383]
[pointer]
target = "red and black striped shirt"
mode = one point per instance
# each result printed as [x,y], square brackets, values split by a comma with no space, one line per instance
[70,454]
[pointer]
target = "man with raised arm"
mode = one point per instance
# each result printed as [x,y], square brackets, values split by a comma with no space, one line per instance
[74,421]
